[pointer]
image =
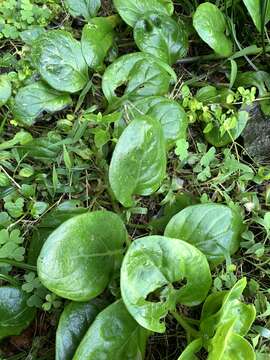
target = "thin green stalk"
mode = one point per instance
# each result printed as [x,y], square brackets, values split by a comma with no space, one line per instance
[9,279]
[191,332]
[18,264]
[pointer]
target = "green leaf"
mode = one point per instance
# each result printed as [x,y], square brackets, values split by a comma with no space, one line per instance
[78,259]
[138,164]
[34,99]
[5,89]
[11,245]
[139,75]
[152,271]
[114,334]
[73,324]
[191,350]
[227,345]
[213,228]
[97,39]
[31,34]
[15,315]
[85,8]
[132,10]
[181,150]
[223,307]
[168,112]
[215,138]
[58,57]
[254,9]
[161,36]
[210,24]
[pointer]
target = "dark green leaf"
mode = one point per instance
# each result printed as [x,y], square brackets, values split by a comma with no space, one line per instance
[161,36]
[78,259]
[138,164]
[85,8]
[158,273]
[58,58]
[73,324]
[114,334]
[210,24]
[254,9]
[34,99]
[15,315]
[132,10]
[213,228]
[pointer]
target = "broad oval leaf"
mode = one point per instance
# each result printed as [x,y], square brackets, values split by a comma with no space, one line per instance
[97,39]
[161,36]
[85,8]
[210,24]
[223,307]
[5,89]
[168,112]
[73,324]
[213,228]
[132,10]
[15,315]
[78,259]
[254,9]
[153,269]
[215,138]
[140,74]
[113,335]
[138,164]
[226,345]
[34,99]
[58,57]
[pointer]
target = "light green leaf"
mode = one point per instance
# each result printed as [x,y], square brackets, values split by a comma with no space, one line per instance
[97,39]
[73,324]
[58,57]
[213,228]
[152,271]
[114,334]
[139,74]
[79,257]
[15,315]
[254,9]
[34,99]
[138,164]
[168,112]
[191,350]
[210,24]
[85,8]
[5,89]
[132,10]
[161,36]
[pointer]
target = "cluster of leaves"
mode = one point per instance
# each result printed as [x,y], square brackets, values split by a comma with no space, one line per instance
[123,141]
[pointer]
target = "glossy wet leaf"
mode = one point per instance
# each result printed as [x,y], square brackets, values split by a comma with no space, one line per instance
[223,307]
[85,8]
[138,164]
[58,57]
[73,324]
[168,112]
[15,315]
[210,24]
[78,259]
[132,10]
[5,89]
[134,76]
[161,36]
[113,335]
[97,39]
[215,138]
[33,100]
[158,273]
[226,345]
[254,9]
[213,228]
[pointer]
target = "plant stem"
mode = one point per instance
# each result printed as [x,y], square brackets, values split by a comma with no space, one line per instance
[9,279]
[200,58]
[18,264]
[191,332]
